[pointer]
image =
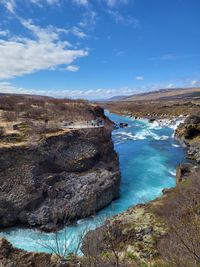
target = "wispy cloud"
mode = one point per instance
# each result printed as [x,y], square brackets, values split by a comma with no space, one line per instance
[100,93]
[49,2]
[115,3]
[81,2]
[88,20]
[119,53]
[119,18]
[170,85]
[172,56]
[10,5]
[72,68]
[165,57]
[78,32]
[4,33]
[139,78]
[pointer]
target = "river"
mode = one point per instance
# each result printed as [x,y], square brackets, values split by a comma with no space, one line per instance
[148,156]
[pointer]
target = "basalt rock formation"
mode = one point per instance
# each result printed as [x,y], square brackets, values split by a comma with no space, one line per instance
[64,177]
[185,171]
[189,134]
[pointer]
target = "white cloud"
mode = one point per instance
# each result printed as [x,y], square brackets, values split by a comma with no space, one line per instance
[139,78]
[194,82]
[58,2]
[170,85]
[21,56]
[120,53]
[4,33]
[9,5]
[89,94]
[72,68]
[114,3]
[81,2]
[167,57]
[41,2]
[88,20]
[78,32]
[53,2]
[121,19]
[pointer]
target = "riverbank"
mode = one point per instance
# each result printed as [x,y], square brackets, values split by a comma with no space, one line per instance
[145,233]
[154,109]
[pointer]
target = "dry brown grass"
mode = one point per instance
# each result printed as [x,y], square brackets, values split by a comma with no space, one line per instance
[181,212]
[23,117]
[157,109]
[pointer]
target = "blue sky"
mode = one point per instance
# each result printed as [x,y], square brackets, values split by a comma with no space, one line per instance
[98,48]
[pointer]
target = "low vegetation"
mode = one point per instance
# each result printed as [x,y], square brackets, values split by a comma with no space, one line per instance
[181,212]
[154,109]
[23,118]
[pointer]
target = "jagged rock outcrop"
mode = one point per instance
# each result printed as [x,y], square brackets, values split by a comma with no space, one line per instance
[189,134]
[66,176]
[185,171]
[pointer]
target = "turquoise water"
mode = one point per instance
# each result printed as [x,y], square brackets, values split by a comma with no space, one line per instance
[148,157]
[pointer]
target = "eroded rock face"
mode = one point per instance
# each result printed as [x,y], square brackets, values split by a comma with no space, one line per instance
[187,171]
[189,134]
[63,178]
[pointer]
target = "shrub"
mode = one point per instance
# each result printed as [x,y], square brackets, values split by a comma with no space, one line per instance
[2,131]
[9,116]
[181,212]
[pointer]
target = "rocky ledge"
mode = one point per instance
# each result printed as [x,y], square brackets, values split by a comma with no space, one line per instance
[189,134]
[64,177]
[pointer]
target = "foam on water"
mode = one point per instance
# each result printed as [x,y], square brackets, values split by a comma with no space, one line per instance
[148,157]
[175,145]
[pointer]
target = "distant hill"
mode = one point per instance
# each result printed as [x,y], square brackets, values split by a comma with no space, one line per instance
[117,98]
[163,94]
[39,97]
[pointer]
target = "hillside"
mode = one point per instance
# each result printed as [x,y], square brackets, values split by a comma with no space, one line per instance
[163,104]
[164,94]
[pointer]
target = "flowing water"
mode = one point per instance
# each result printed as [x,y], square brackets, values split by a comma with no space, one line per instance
[148,157]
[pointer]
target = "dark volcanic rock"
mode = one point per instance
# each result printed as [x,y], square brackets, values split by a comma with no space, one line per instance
[190,129]
[183,172]
[121,125]
[189,134]
[62,178]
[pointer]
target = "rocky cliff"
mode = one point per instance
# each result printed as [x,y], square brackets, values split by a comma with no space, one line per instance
[64,177]
[189,134]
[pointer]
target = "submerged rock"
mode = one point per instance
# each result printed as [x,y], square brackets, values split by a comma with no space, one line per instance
[121,125]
